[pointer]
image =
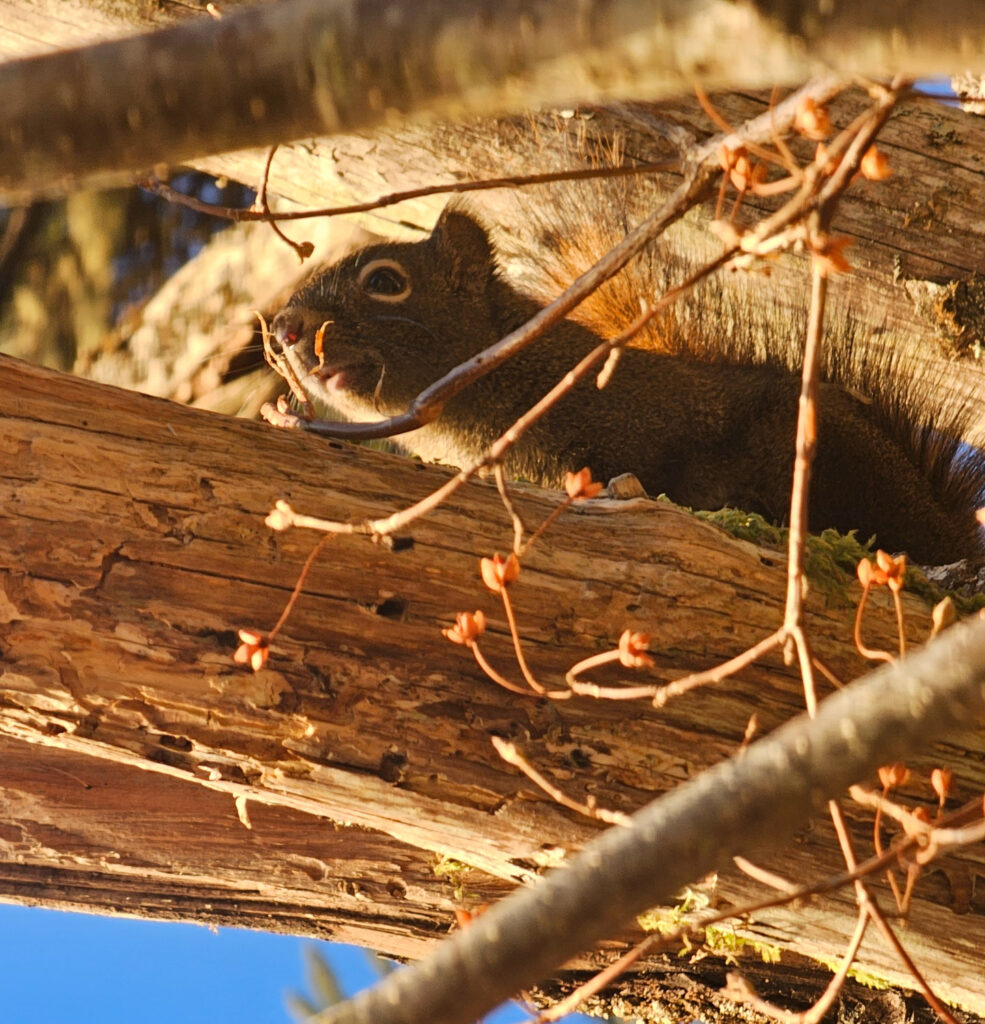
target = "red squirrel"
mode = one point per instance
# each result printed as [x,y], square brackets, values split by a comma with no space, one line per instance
[399,316]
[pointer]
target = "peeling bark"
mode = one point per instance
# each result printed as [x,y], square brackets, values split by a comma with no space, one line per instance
[132,549]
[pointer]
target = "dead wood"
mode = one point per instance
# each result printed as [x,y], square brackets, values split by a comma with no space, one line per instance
[280,71]
[133,548]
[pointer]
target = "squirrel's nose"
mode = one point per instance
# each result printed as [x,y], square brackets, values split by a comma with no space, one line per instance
[287,327]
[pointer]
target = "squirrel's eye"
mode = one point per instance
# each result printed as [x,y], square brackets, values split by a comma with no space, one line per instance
[386,280]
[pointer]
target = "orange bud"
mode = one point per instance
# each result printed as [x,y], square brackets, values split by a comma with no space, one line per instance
[942,780]
[812,119]
[253,650]
[741,172]
[893,569]
[875,165]
[632,649]
[580,486]
[893,775]
[727,158]
[467,627]
[497,573]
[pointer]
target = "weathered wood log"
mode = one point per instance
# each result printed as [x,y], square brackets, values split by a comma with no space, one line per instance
[336,68]
[133,548]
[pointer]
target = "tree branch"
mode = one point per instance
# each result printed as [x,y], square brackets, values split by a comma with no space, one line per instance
[130,104]
[748,803]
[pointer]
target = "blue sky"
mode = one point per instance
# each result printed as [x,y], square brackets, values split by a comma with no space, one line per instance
[57,967]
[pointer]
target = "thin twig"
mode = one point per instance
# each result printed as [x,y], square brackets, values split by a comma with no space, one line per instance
[509,753]
[867,652]
[262,208]
[253,213]
[714,675]
[868,902]
[495,676]
[298,586]
[738,989]
[519,527]
[763,876]
[661,694]
[805,446]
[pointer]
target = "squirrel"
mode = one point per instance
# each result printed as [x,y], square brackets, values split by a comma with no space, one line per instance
[400,315]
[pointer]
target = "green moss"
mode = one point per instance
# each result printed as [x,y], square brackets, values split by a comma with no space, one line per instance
[454,872]
[668,919]
[725,942]
[862,977]
[831,558]
[720,940]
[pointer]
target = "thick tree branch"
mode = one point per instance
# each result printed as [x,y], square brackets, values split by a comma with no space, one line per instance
[132,549]
[283,71]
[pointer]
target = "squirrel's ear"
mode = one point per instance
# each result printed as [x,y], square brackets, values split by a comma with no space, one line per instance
[466,248]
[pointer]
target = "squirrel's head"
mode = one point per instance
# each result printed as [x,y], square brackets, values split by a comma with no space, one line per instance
[368,334]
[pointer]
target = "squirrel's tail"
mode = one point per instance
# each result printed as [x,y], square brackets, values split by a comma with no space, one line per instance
[919,398]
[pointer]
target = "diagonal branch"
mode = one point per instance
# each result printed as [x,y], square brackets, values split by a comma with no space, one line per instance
[749,802]
[290,70]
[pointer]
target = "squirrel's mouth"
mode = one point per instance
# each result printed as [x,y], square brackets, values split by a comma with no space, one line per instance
[332,378]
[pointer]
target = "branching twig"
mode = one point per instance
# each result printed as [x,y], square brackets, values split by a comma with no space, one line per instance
[509,753]
[787,895]
[264,213]
[748,802]
[262,209]
[661,694]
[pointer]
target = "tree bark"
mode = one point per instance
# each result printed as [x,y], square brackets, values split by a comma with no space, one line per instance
[315,67]
[137,754]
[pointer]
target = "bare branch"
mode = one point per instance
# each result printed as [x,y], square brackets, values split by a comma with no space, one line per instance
[331,67]
[748,802]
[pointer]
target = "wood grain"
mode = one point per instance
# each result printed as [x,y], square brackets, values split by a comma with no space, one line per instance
[132,549]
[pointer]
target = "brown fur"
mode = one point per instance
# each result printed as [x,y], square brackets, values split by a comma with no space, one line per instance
[708,434]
